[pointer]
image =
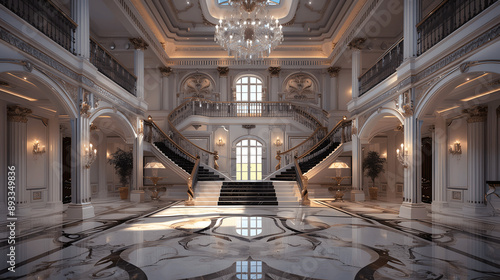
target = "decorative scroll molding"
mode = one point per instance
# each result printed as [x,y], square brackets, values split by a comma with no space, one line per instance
[274,71]
[357,43]
[18,114]
[165,71]
[333,71]
[476,114]
[198,85]
[139,43]
[223,71]
[248,126]
[407,105]
[300,87]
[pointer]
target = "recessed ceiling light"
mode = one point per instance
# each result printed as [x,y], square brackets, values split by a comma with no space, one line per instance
[479,95]
[18,95]
[468,80]
[447,109]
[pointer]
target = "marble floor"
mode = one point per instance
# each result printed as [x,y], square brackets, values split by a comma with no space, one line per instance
[328,240]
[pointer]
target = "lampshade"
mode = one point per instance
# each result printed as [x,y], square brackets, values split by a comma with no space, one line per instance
[338,164]
[154,164]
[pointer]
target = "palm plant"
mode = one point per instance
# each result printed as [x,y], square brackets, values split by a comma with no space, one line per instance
[374,165]
[124,163]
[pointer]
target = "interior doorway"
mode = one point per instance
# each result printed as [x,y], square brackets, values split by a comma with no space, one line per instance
[249,160]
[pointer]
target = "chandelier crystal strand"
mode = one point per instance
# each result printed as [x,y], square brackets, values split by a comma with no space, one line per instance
[252,34]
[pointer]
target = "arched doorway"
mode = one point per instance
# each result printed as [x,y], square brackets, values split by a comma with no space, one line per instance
[248,160]
[248,89]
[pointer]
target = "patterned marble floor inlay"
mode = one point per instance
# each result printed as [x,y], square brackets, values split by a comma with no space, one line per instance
[318,242]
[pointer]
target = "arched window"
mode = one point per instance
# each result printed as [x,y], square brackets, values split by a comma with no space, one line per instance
[249,160]
[249,89]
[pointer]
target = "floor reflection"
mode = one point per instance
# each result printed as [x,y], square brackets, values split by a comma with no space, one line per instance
[264,243]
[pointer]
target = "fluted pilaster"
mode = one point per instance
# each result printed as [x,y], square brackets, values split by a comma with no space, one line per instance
[17,118]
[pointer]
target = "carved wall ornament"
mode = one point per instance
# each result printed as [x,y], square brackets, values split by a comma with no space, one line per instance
[476,114]
[248,126]
[139,43]
[165,71]
[199,86]
[333,71]
[300,87]
[357,43]
[274,71]
[223,71]
[18,114]
[400,127]
[407,105]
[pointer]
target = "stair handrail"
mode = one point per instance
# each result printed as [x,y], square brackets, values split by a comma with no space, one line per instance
[292,152]
[302,182]
[162,136]
[192,181]
[345,136]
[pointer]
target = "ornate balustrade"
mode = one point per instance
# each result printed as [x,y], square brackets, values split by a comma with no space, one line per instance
[446,18]
[383,68]
[207,108]
[47,18]
[108,65]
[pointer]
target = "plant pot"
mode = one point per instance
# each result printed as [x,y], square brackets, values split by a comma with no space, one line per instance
[373,193]
[123,193]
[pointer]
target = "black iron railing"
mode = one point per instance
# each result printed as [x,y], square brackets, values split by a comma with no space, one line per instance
[47,18]
[384,67]
[111,68]
[446,18]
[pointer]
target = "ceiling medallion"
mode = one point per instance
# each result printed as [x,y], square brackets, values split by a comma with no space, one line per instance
[250,32]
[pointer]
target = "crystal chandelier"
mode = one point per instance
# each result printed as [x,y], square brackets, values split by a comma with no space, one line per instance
[250,32]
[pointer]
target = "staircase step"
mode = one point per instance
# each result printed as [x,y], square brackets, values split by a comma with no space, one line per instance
[248,203]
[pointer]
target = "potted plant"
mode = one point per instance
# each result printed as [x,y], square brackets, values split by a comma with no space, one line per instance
[374,165]
[124,163]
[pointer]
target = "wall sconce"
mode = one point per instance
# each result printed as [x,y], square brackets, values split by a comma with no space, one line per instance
[38,149]
[278,142]
[89,156]
[402,156]
[220,143]
[456,149]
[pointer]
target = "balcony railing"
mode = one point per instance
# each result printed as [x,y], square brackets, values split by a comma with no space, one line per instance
[108,65]
[47,18]
[384,67]
[446,18]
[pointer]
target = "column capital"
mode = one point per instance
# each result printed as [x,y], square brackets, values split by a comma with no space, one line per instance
[357,43]
[165,71]
[333,71]
[476,114]
[139,43]
[223,71]
[274,71]
[18,114]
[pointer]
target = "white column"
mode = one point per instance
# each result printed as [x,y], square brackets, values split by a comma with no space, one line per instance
[410,20]
[412,208]
[102,157]
[80,14]
[165,92]
[17,154]
[80,207]
[3,159]
[55,166]
[139,72]
[272,93]
[140,46]
[476,143]
[492,153]
[356,71]
[223,88]
[440,140]
[357,193]
[334,88]
[137,194]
